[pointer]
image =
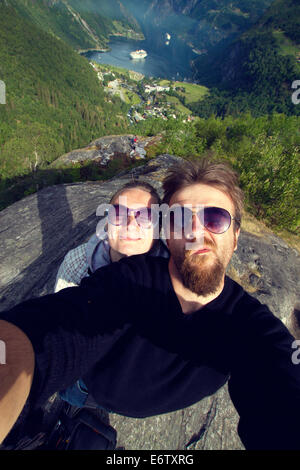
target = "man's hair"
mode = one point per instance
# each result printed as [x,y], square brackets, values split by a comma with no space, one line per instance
[217,174]
[137,184]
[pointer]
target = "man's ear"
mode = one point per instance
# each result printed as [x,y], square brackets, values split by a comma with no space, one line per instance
[236,236]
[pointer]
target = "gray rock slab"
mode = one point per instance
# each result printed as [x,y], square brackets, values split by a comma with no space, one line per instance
[105,148]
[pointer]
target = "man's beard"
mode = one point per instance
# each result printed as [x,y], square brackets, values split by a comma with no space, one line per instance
[199,274]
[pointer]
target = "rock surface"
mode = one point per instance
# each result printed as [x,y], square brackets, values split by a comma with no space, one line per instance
[37,232]
[108,148]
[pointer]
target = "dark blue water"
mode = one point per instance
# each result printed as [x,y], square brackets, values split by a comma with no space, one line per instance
[165,61]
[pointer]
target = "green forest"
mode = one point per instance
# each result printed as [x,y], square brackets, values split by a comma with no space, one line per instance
[82,25]
[54,102]
[255,72]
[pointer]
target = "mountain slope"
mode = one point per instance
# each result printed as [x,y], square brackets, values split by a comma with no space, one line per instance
[283,15]
[82,25]
[202,23]
[275,31]
[54,99]
[260,66]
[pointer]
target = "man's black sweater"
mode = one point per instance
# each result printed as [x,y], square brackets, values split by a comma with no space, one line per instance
[124,332]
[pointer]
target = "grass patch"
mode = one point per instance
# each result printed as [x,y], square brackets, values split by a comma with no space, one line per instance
[286,46]
[178,105]
[192,92]
[131,97]
[129,74]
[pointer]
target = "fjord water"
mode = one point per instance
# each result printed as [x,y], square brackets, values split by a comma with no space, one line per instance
[165,61]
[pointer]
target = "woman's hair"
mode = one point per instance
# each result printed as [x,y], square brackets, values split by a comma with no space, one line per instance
[136,184]
[216,174]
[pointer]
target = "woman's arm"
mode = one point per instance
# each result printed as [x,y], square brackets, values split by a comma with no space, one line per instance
[73,268]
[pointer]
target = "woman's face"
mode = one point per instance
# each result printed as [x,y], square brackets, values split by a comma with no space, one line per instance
[130,237]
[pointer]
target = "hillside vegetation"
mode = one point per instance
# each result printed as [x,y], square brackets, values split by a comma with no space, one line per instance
[54,102]
[82,25]
[257,70]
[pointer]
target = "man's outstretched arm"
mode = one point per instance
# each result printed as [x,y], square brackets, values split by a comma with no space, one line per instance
[16,374]
[52,341]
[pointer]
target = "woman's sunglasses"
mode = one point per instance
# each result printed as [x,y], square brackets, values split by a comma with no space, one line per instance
[214,219]
[144,216]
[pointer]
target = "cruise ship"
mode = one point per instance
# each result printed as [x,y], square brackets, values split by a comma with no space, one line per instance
[140,54]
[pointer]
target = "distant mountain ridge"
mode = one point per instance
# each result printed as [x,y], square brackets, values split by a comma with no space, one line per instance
[201,23]
[283,15]
[257,69]
[278,29]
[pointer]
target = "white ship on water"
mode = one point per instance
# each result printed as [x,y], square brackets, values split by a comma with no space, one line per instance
[140,54]
[167,37]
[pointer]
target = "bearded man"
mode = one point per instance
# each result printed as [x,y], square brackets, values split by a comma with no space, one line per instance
[205,217]
[154,335]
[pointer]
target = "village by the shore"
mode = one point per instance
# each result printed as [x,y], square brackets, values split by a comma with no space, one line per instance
[148,97]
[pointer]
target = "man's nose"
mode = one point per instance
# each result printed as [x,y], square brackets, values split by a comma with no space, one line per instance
[197,226]
[196,229]
[131,221]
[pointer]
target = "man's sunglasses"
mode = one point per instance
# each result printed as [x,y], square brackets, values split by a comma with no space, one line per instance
[144,216]
[214,219]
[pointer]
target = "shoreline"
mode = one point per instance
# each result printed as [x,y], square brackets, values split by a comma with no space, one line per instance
[108,49]
[189,77]
[85,51]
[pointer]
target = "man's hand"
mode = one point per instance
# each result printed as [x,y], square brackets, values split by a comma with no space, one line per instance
[16,374]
